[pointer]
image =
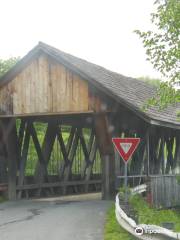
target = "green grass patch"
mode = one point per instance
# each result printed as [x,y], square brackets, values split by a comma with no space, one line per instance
[113,231]
[57,158]
[148,215]
[2,199]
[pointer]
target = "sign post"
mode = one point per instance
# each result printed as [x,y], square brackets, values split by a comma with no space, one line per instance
[126,182]
[126,147]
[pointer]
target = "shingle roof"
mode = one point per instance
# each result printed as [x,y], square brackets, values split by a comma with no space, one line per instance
[126,90]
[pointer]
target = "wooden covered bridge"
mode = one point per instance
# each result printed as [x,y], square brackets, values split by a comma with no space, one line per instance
[58,114]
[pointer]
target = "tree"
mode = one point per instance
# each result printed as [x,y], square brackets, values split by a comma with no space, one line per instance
[163,49]
[152,81]
[5,65]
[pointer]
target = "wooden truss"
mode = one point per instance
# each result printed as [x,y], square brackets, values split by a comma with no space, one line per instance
[42,182]
[158,153]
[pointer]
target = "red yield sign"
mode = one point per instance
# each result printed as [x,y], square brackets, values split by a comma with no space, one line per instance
[126,146]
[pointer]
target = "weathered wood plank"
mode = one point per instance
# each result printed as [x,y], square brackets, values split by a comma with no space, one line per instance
[3,157]
[104,141]
[165,191]
[42,161]
[90,166]
[87,151]
[72,152]
[57,184]
[44,86]
[47,148]
[11,141]
[23,159]
[66,161]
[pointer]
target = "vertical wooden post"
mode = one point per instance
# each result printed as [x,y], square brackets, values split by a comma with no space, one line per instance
[107,155]
[3,162]
[148,150]
[11,142]
[117,168]
[117,159]
[163,157]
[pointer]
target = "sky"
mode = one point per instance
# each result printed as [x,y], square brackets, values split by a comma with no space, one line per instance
[100,31]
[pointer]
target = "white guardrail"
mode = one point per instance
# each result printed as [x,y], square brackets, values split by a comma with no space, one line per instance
[142,231]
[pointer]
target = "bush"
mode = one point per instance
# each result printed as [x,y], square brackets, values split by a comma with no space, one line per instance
[149,215]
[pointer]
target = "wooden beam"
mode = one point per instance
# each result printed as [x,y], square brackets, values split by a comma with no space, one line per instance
[58,184]
[72,152]
[47,148]
[42,161]
[3,158]
[20,139]
[11,141]
[148,150]
[103,136]
[92,160]
[169,144]
[177,151]
[86,151]
[67,149]
[23,159]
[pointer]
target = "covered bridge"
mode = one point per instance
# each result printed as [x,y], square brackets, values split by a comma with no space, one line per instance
[58,114]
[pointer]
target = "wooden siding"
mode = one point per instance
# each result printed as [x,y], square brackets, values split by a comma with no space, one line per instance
[44,86]
[165,191]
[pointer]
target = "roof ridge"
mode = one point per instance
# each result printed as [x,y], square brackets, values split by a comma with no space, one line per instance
[128,91]
[42,44]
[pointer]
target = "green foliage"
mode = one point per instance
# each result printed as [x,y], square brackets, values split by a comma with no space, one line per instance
[56,155]
[5,65]
[151,81]
[2,199]
[178,179]
[178,115]
[122,191]
[113,231]
[163,48]
[165,95]
[148,215]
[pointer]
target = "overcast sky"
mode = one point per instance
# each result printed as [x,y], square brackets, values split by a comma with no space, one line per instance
[100,31]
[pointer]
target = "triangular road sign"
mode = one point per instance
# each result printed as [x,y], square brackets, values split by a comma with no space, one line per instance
[126,146]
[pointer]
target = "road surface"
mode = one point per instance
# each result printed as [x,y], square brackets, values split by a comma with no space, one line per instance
[53,219]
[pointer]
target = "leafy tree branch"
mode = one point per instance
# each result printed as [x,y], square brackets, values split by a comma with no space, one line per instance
[163,49]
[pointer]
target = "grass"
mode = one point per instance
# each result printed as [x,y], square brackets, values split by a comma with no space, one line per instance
[148,215]
[113,231]
[2,199]
[56,158]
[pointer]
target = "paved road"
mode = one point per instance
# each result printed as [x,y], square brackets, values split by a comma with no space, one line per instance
[53,219]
